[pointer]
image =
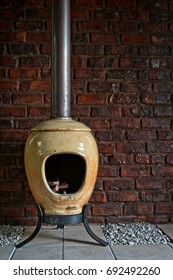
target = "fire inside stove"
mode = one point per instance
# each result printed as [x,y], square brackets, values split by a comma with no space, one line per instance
[65,173]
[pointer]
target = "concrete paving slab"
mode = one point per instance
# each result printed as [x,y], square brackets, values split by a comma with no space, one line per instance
[38,252]
[167,228]
[95,252]
[5,252]
[78,235]
[47,235]
[143,252]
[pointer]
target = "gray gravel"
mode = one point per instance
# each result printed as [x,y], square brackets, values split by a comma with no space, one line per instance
[134,233]
[10,235]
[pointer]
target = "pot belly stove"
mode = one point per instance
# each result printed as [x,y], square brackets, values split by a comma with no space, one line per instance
[61,155]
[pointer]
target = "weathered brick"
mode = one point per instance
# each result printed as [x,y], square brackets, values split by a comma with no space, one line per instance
[83,14]
[12,212]
[21,49]
[135,171]
[103,86]
[108,171]
[23,73]
[135,39]
[91,74]
[142,159]
[161,147]
[36,86]
[99,197]
[118,184]
[149,183]
[162,208]
[156,99]
[138,134]
[162,171]
[145,208]
[106,111]
[125,123]
[106,148]
[107,210]
[28,98]
[92,25]
[90,4]
[156,123]
[91,99]
[13,111]
[8,85]
[126,196]
[121,3]
[102,38]
[29,25]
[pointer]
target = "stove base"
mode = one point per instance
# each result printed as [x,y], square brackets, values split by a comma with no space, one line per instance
[61,221]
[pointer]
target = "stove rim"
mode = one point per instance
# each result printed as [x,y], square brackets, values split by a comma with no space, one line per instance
[46,181]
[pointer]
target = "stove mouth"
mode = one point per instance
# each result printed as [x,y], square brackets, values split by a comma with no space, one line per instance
[65,173]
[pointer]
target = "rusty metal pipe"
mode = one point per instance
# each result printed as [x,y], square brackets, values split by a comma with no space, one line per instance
[61,59]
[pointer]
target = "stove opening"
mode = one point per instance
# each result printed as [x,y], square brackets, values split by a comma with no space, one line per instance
[65,173]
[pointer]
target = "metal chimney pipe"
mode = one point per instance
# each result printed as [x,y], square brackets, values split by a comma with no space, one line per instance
[61,59]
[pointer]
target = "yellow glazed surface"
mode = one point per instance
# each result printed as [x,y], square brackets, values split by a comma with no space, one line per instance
[53,137]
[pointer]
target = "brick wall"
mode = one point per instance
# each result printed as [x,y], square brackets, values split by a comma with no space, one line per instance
[122,71]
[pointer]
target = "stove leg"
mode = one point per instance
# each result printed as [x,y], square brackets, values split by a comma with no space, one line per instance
[88,229]
[37,229]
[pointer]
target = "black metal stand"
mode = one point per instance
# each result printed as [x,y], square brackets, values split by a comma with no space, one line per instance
[61,221]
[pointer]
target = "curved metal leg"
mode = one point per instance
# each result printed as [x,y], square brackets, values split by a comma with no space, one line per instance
[88,229]
[37,229]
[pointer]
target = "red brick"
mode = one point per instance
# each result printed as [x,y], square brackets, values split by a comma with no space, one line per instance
[130,4]
[163,208]
[91,99]
[149,183]
[103,38]
[8,85]
[135,39]
[127,195]
[99,197]
[28,98]
[13,111]
[135,171]
[8,36]
[39,111]
[14,135]
[5,25]
[161,39]
[162,171]
[91,25]
[156,123]
[107,210]
[106,148]
[118,184]
[142,158]
[38,37]
[90,4]
[12,212]
[108,171]
[79,14]
[4,198]
[23,73]
[36,85]
[2,173]
[145,209]
[89,74]
[122,159]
